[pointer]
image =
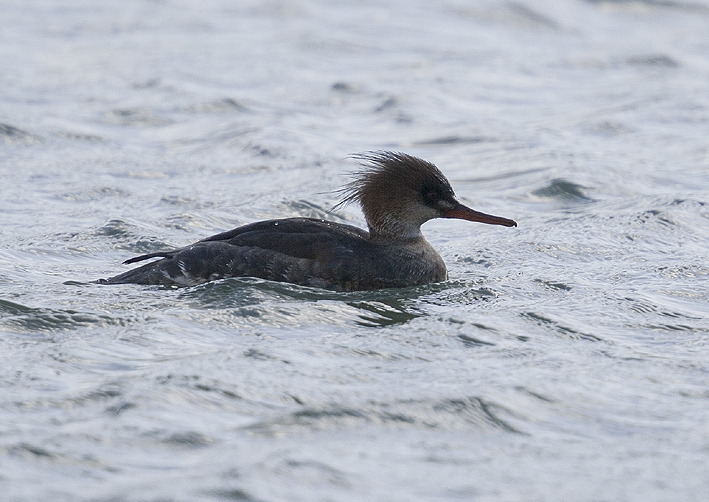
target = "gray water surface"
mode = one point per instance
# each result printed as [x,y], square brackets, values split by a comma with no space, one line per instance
[565,359]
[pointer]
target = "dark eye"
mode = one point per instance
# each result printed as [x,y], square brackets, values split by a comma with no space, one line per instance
[431,197]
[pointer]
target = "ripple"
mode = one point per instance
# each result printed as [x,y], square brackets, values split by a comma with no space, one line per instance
[559,327]
[135,117]
[381,314]
[233,494]
[93,194]
[632,5]
[12,134]
[115,228]
[344,87]
[81,137]
[511,13]
[225,105]
[245,299]
[187,440]
[33,320]
[557,286]
[652,216]
[653,61]
[470,341]
[125,236]
[109,394]
[608,128]
[27,449]
[305,209]
[561,189]
[453,140]
[223,289]
[450,414]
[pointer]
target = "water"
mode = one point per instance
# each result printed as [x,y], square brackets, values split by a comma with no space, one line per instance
[564,360]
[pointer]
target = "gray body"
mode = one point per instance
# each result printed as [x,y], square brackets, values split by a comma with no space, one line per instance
[397,192]
[303,251]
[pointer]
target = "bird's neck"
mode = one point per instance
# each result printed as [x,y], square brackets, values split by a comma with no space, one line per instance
[394,230]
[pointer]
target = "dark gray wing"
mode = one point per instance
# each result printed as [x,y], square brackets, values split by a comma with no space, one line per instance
[297,250]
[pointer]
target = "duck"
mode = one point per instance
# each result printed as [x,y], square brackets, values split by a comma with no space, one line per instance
[397,193]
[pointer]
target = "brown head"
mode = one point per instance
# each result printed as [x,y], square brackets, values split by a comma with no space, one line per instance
[399,193]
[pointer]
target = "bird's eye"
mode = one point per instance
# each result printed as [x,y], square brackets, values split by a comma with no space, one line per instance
[431,196]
